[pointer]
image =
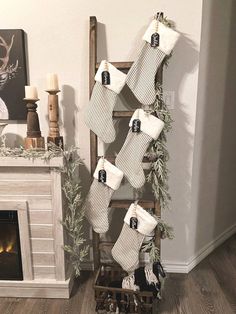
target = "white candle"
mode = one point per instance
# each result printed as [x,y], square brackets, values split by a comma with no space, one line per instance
[52,82]
[31,92]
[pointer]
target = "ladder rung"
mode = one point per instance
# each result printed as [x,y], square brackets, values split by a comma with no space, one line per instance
[122,114]
[126,203]
[112,159]
[108,244]
[119,65]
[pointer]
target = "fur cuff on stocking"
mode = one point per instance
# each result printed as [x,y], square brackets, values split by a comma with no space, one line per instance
[114,175]
[146,223]
[150,124]
[117,77]
[168,37]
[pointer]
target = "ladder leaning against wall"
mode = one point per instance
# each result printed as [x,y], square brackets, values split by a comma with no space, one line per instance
[124,67]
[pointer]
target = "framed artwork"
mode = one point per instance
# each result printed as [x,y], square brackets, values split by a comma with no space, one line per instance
[13,74]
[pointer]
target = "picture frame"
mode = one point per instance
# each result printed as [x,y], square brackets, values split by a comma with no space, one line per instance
[13,74]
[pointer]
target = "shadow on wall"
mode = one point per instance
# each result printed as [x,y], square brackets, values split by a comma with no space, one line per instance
[13,140]
[69,113]
[216,128]
[180,145]
[102,53]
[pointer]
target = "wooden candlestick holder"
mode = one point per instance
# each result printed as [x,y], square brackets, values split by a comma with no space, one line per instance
[53,114]
[34,140]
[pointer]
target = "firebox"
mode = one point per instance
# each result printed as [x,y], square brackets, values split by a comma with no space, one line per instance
[10,254]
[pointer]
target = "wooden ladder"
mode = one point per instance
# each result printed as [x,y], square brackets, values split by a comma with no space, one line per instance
[122,66]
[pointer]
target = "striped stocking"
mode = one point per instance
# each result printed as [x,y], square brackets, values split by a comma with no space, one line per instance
[98,114]
[130,157]
[127,247]
[100,193]
[141,76]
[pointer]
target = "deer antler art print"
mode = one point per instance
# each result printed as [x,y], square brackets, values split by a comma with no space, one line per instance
[7,71]
[13,74]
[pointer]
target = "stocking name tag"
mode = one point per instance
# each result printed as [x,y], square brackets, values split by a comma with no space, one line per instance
[133,223]
[106,79]
[155,40]
[136,125]
[102,176]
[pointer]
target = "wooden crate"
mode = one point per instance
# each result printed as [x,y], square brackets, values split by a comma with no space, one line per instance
[109,298]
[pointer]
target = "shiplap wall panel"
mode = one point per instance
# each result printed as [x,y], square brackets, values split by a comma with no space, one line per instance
[35,202]
[12,187]
[40,217]
[44,272]
[43,259]
[41,231]
[25,174]
[42,245]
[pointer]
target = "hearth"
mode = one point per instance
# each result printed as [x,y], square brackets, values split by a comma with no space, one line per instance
[10,254]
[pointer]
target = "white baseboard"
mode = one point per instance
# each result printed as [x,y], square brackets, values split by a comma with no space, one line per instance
[186,267]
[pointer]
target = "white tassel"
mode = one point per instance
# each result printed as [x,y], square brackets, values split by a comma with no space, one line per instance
[150,276]
[128,283]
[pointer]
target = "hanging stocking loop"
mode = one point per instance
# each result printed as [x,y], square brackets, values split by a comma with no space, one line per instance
[159,16]
[147,109]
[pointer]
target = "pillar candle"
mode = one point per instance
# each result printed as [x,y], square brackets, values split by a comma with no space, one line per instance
[52,82]
[31,92]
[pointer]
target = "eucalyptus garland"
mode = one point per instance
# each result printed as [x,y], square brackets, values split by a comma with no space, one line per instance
[73,222]
[149,246]
[159,173]
[158,153]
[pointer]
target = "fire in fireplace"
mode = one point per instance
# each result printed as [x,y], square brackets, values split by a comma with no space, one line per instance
[10,255]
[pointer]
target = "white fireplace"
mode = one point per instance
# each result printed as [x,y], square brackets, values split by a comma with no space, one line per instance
[33,190]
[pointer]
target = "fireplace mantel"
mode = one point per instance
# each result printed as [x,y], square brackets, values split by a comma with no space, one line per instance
[33,189]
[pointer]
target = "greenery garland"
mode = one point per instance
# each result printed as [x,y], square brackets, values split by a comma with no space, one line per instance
[159,173]
[73,222]
[158,153]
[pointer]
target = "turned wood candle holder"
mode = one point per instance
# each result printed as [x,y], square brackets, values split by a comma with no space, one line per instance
[34,140]
[53,115]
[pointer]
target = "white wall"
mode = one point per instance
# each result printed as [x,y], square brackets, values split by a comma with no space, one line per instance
[214,183]
[58,42]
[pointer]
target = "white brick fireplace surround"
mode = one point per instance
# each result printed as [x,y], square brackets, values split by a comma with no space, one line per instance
[33,189]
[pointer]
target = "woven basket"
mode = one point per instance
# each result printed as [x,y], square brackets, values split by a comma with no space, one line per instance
[109,298]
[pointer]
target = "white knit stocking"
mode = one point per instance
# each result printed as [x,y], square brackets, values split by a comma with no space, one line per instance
[130,157]
[98,114]
[99,196]
[141,76]
[127,247]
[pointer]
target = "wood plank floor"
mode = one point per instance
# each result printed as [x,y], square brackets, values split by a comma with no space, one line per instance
[209,288]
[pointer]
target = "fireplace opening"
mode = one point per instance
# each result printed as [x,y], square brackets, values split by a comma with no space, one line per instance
[10,254]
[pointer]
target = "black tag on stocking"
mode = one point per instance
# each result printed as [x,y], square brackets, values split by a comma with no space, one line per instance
[136,125]
[106,79]
[155,40]
[133,223]
[102,176]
